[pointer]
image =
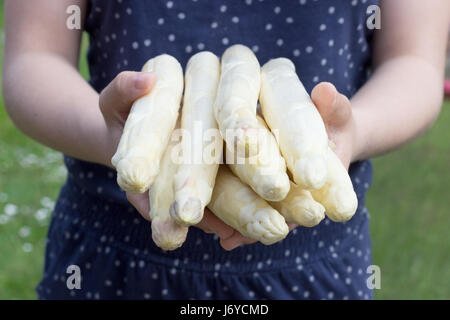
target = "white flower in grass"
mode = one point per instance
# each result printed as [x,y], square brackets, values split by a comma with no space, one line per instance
[46,202]
[42,214]
[27,247]
[24,232]
[10,209]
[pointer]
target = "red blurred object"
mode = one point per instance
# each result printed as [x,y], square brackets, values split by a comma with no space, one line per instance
[447,87]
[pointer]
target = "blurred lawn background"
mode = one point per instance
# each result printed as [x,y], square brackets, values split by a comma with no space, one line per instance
[409,203]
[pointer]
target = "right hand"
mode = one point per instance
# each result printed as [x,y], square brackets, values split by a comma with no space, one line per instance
[115,104]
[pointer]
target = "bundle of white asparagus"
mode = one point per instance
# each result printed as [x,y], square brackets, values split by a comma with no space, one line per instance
[248,187]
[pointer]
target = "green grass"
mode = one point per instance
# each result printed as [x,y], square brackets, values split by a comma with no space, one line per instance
[408,203]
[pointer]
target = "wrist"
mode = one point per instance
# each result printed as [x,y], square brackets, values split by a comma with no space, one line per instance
[98,140]
[107,149]
[359,136]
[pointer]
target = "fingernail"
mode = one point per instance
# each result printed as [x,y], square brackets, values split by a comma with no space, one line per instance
[142,80]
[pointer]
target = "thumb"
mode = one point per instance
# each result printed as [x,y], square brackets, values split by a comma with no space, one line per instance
[333,106]
[126,87]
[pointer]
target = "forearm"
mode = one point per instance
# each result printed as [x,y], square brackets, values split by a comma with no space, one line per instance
[400,102]
[48,100]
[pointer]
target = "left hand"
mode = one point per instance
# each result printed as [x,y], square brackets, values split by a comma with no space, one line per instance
[336,112]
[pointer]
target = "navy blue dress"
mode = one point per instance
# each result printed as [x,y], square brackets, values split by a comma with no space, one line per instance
[95,228]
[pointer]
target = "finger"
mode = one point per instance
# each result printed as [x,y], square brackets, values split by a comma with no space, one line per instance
[292,226]
[141,203]
[211,224]
[126,87]
[334,107]
[236,240]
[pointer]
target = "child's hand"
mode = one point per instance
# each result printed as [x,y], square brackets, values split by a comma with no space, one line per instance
[336,112]
[115,104]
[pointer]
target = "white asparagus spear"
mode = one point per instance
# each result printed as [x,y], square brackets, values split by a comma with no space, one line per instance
[166,232]
[194,179]
[337,195]
[264,172]
[237,97]
[240,207]
[287,107]
[299,207]
[149,125]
